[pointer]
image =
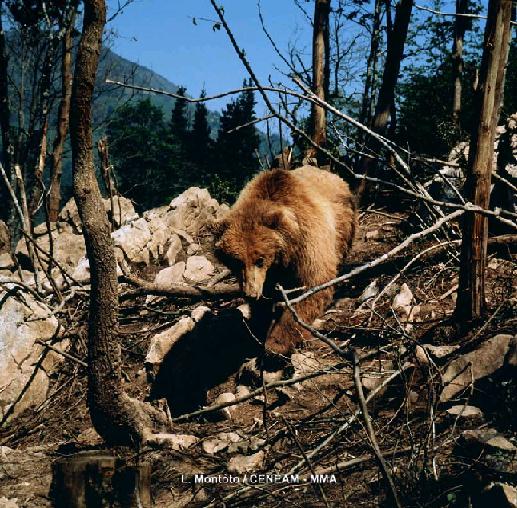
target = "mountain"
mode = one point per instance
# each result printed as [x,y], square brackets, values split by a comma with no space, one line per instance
[117,68]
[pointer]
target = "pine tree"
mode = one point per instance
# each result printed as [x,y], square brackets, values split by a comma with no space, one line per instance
[236,146]
[144,157]
[201,145]
[179,123]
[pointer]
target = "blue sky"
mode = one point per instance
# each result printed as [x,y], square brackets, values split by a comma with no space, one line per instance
[160,34]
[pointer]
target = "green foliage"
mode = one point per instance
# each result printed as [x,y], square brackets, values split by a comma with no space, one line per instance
[236,146]
[155,160]
[144,155]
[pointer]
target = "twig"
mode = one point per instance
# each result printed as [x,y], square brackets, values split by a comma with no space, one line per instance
[62,353]
[318,486]
[180,290]
[251,395]
[371,433]
[455,14]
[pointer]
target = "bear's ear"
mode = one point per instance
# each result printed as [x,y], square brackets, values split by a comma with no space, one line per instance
[218,226]
[282,218]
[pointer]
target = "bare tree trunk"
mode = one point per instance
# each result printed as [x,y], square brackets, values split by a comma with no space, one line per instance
[396,40]
[460,26]
[471,291]
[320,73]
[5,121]
[116,417]
[395,52]
[371,65]
[63,113]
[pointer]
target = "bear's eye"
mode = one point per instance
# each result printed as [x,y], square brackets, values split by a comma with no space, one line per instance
[259,263]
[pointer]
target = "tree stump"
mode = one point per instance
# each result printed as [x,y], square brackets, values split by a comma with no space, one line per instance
[97,480]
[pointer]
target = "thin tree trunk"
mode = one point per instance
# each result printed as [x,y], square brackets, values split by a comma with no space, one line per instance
[62,121]
[371,65]
[471,291]
[320,73]
[396,40]
[5,122]
[460,26]
[116,417]
[395,53]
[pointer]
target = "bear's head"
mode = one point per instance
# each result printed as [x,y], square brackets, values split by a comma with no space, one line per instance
[250,242]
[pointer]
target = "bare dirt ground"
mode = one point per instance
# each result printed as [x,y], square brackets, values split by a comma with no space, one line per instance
[415,433]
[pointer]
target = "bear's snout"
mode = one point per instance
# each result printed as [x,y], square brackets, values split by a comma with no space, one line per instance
[253,282]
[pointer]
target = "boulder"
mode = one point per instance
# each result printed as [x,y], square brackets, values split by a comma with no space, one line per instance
[171,275]
[220,442]
[477,364]
[68,248]
[241,464]
[501,495]
[124,212]
[162,342]
[198,269]
[175,247]
[223,398]
[24,321]
[6,261]
[131,242]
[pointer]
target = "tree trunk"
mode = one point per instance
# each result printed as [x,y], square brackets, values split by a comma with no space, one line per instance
[395,53]
[320,74]
[371,65]
[396,40]
[116,417]
[471,291]
[460,26]
[62,121]
[5,122]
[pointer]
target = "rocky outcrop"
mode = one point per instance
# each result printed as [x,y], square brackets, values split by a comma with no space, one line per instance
[25,322]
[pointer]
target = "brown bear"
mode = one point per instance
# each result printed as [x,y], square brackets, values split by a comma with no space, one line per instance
[293,228]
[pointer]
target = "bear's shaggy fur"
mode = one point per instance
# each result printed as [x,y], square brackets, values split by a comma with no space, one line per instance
[293,228]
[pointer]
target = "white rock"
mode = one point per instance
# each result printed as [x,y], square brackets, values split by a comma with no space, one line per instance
[220,442]
[131,242]
[193,248]
[162,342]
[181,441]
[242,391]
[465,412]
[171,275]
[23,322]
[6,261]
[241,464]
[370,291]
[198,269]
[245,310]
[82,270]
[223,398]
[198,313]
[175,247]
[477,364]
[402,301]
[8,503]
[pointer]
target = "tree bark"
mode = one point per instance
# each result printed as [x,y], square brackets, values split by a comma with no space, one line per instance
[5,121]
[371,65]
[396,40]
[460,26]
[62,121]
[320,74]
[116,417]
[471,291]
